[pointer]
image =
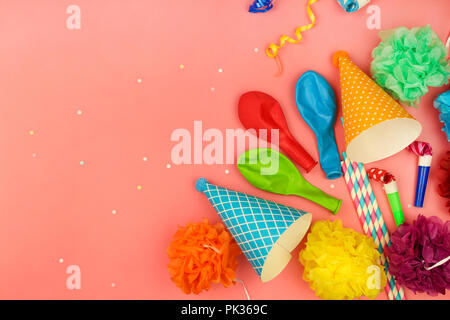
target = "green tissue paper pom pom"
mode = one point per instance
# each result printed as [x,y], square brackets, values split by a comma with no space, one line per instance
[408,61]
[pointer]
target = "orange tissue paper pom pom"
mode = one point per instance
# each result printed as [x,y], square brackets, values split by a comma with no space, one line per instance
[201,254]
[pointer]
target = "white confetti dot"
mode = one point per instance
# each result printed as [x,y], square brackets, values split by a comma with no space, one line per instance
[79,112]
[332,186]
[256,50]
[409,206]
[220,70]
[168,166]
[34,155]
[61,260]
[145,158]
[113,285]
[212,88]
[114,212]
[227,171]
[139,80]
[81,162]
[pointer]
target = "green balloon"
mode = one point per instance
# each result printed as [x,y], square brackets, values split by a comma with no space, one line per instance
[272,171]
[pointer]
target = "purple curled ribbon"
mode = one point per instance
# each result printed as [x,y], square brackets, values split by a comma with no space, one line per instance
[260,6]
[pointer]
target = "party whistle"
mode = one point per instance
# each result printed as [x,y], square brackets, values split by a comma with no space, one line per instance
[425,153]
[391,190]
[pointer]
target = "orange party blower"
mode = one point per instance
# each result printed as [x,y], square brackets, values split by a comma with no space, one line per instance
[260,111]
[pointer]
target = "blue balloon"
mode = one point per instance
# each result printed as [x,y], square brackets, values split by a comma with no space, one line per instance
[316,103]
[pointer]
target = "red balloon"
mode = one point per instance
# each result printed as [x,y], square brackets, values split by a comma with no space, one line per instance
[258,110]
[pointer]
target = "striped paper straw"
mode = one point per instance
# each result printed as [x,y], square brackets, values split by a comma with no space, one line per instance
[370,217]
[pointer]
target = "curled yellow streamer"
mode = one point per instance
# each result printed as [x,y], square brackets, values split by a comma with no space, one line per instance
[272,50]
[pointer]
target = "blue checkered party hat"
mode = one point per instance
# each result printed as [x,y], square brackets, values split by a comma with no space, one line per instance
[265,231]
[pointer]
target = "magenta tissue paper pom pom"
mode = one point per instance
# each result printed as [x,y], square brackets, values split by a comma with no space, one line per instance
[417,247]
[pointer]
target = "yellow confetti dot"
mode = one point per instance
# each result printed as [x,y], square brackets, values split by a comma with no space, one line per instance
[31,132]
[139,187]
[181,66]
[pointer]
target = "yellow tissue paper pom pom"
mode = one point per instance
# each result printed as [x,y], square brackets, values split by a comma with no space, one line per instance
[341,263]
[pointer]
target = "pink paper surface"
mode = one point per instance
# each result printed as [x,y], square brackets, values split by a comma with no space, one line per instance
[76,126]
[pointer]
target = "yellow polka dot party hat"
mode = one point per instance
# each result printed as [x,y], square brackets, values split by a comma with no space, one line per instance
[375,125]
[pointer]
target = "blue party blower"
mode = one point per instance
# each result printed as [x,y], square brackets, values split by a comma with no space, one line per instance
[316,103]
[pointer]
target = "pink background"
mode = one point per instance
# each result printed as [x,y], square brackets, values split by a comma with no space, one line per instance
[54,208]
